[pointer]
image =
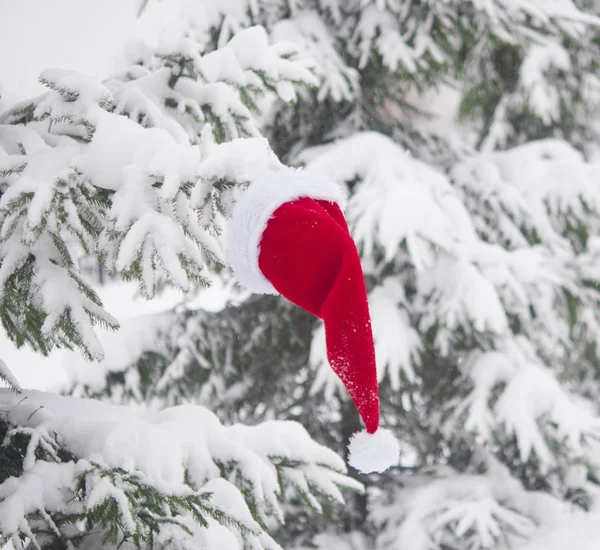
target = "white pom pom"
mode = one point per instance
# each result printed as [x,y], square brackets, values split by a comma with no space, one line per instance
[373,452]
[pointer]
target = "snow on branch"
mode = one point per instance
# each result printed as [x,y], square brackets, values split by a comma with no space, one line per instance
[516,397]
[536,226]
[8,377]
[556,189]
[48,213]
[127,171]
[483,510]
[399,200]
[493,248]
[563,13]
[404,212]
[181,89]
[337,80]
[384,30]
[176,475]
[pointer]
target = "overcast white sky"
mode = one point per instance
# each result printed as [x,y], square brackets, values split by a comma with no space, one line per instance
[83,35]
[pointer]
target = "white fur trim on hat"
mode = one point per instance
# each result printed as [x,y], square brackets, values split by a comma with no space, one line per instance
[253,210]
[373,452]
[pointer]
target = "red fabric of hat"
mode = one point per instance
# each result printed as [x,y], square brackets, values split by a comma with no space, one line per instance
[288,236]
[307,253]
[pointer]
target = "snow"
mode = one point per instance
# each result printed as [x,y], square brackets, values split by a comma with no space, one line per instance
[487,370]
[580,531]
[463,295]
[239,161]
[199,17]
[227,498]
[533,394]
[101,489]
[399,197]
[480,511]
[41,488]
[545,10]
[549,163]
[140,97]
[175,451]
[336,79]
[7,376]
[379,30]
[60,296]
[333,541]
[397,344]
[43,166]
[539,62]
[531,405]
[222,65]
[121,145]
[252,50]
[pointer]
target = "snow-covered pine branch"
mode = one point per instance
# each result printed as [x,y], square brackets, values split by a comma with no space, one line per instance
[132,171]
[8,377]
[180,89]
[479,509]
[91,473]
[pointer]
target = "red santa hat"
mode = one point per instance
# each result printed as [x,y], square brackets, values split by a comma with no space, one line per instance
[288,236]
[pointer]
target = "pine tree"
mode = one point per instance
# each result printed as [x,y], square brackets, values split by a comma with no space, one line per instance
[139,172]
[479,247]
